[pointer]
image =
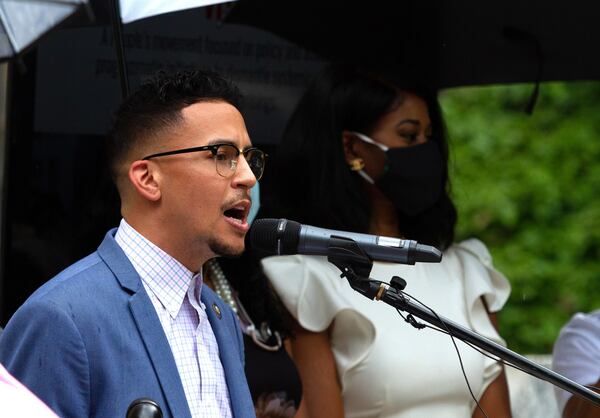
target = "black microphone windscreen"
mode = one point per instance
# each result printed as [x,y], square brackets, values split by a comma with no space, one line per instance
[274,236]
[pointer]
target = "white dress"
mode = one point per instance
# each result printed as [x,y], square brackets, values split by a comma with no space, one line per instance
[386,367]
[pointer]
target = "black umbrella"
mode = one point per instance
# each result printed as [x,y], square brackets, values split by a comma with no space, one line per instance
[448,42]
[22,22]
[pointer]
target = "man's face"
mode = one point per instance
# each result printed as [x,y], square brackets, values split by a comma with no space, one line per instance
[202,211]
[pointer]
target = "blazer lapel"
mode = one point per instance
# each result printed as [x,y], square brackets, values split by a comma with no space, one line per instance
[149,326]
[239,394]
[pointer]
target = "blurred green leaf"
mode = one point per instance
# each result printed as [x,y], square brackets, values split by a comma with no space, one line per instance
[529,187]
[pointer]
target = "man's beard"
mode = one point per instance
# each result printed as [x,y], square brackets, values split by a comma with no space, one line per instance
[221,248]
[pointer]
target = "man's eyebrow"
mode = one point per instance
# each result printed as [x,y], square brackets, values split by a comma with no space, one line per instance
[226,141]
[222,141]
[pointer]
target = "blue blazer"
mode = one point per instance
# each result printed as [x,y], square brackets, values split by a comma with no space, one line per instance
[89,342]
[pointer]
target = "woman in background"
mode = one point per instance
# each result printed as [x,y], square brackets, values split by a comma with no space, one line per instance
[362,153]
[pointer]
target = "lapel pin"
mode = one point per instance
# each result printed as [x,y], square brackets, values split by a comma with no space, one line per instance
[217,310]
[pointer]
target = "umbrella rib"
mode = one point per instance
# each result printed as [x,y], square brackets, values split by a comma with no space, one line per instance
[8,30]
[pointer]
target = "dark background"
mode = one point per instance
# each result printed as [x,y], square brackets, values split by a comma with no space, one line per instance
[58,197]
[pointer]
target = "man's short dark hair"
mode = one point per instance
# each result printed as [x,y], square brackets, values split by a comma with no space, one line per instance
[156,105]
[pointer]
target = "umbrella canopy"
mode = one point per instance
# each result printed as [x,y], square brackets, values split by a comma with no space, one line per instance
[22,22]
[131,10]
[450,43]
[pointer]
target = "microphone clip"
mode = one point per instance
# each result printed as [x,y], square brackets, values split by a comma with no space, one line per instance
[354,264]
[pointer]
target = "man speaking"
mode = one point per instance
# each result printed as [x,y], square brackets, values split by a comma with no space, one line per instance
[133,320]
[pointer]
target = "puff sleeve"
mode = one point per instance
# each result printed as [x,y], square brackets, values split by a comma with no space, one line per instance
[482,280]
[313,292]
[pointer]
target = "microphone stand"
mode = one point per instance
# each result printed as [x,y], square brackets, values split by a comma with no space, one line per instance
[356,266]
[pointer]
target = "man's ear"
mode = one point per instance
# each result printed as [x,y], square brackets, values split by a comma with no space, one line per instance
[145,178]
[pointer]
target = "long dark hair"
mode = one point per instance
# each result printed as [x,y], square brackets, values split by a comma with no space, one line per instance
[312,183]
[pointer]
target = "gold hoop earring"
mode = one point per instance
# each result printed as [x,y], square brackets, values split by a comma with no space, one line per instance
[356,164]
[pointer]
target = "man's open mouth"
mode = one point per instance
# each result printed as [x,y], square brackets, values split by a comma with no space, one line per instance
[238,213]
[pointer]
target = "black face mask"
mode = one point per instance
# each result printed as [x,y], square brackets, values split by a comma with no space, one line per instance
[412,178]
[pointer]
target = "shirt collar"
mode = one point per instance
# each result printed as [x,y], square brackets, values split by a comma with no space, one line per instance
[164,276]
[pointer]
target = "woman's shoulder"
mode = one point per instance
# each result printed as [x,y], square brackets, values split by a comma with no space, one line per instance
[583,325]
[481,279]
[294,260]
[313,292]
[295,268]
[299,276]
[471,247]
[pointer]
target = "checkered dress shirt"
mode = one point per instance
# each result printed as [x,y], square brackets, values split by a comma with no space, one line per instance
[175,294]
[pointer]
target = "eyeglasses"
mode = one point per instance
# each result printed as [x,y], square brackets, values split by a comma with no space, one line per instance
[226,158]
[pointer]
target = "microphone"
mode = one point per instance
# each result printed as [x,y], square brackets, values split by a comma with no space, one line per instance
[285,237]
[144,408]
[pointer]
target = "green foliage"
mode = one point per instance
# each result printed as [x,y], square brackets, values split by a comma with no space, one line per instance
[528,186]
